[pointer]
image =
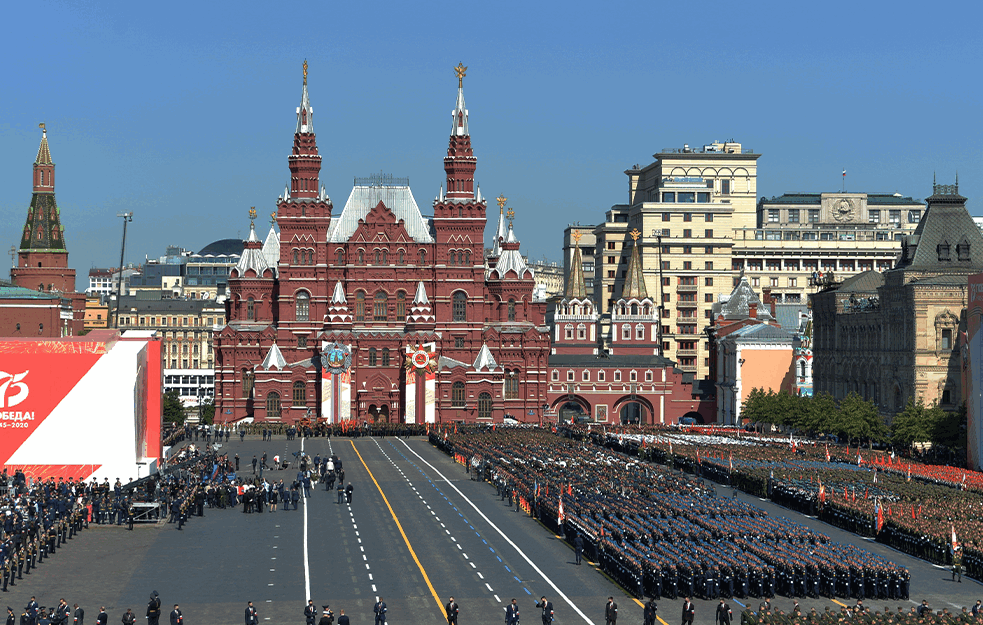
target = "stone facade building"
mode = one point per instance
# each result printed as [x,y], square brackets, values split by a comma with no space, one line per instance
[894,336]
[379,313]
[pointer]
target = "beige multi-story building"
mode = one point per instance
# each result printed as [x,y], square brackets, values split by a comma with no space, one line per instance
[894,336]
[703,225]
[800,236]
[687,205]
[548,276]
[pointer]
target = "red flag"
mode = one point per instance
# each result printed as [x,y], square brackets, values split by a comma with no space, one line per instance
[730,460]
[561,517]
[955,545]
[455,428]
[822,492]
[880,516]
[827,452]
[912,512]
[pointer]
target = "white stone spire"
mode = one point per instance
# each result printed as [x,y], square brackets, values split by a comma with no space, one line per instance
[485,360]
[459,115]
[499,232]
[421,294]
[274,359]
[339,294]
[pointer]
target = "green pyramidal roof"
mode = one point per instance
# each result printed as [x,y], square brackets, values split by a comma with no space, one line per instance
[43,231]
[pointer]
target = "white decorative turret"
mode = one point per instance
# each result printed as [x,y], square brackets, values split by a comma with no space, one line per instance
[271,249]
[459,115]
[305,112]
[252,257]
[485,360]
[421,311]
[338,308]
[510,259]
[274,359]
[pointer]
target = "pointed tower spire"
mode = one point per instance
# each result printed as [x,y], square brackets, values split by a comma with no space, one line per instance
[634,287]
[43,230]
[421,312]
[500,231]
[575,287]
[460,163]
[338,312]
[304,161]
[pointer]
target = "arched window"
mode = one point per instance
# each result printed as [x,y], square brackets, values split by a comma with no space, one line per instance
[511,309]
[373,357]
[378,257]
[303,310]
[626,332]
[634,309]
[457,395]
[296,258]
[582,332]
[467,257]
[247,383]
[423,257]
[380,310]
[385,257]
[460,306]
[385,356]
[273,405]
[341,257]
[361,257]
[639,332]
[300,395]
[360,306]
[401,306]
[484,406]
[453,258]
[402,257]
[511,384]
[251,309]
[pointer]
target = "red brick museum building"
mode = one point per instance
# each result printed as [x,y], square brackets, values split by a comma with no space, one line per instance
[380,313]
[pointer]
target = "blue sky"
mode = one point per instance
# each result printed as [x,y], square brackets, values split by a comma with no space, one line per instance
[184,112]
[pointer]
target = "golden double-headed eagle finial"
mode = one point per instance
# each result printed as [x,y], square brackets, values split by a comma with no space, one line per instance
[272,218]
[305,71]
[576,236]
[634,234]
[41,126]
[501,199]
[252,215]
[510,214]
[461,72]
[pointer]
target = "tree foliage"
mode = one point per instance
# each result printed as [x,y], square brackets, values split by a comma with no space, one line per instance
[207,411]
[853,418]
[173,407]
[920,424]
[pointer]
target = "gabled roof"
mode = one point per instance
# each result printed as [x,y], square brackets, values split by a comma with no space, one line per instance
[864,282]
[738,304]
[485,360]
[271,248]
[397,198]
[760,332]
[252,256]
[274,359]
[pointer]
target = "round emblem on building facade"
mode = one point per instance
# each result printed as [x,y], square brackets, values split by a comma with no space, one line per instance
[337,358]
[843,210]
[421,358]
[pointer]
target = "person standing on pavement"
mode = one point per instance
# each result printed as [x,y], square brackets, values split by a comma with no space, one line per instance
[452,610]
[153,609]
[511,613]
[327,617]
[310,612]
[547,608]
[341,493]
[11,619]
[102,618]
[689,612]
[611,612]
[578,548]
[176,617]
[79,616]
[380,610]
[255,462]
[348,492]
[237,463]
[129,618]
[724,613]
[650,612]
[342,619]
[251,617]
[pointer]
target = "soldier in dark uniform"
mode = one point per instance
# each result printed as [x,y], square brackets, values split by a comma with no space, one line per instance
[348,492]
[650,612]
[153,609]
[578,547]
[327,616]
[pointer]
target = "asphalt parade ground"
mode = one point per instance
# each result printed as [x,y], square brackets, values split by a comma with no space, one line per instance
[417,532]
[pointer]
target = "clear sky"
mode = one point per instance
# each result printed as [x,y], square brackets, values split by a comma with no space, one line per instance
[184,112]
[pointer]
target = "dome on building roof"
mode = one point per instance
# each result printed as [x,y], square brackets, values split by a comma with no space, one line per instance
[222,247]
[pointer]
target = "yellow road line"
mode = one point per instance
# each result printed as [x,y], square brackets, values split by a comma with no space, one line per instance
[642,605]
[399,525]
[838,603]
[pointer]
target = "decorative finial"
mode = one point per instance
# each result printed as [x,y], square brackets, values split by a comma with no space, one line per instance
[272,218]
[461,72]
[634,234]
[41,126]
[501,199]
[305,71]
[577,236]
[252,216]
[511,215]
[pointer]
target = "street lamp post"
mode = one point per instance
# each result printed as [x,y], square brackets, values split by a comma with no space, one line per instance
[127,218]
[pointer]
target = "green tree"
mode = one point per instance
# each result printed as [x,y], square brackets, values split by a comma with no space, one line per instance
[860,419]
[207,411]
[948,428]
[754,408]
[911,425]
[820,414]
[173,408]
